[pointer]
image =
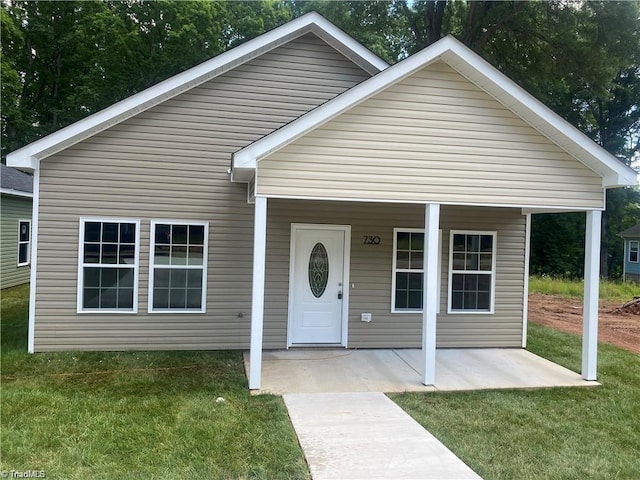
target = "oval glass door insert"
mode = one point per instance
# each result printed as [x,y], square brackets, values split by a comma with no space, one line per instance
[318,270]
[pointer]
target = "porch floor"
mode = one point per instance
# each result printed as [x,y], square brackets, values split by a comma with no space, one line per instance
[398,370]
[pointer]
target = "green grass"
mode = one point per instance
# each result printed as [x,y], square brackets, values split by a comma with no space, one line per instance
[136,414]
[560,433]
[609,290]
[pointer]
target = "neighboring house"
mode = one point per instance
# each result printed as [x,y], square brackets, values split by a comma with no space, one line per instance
[631,265]
[15,226]
[297,191]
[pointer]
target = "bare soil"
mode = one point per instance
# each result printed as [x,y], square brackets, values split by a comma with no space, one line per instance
[620,327]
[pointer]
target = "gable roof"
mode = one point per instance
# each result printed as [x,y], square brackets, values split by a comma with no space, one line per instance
[15,182]
[28,156]
[632,232]
[479,72]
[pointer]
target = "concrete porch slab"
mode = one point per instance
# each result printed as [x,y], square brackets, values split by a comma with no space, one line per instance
[352,436]
[389,370]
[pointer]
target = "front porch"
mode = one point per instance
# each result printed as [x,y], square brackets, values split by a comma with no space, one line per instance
[399,370]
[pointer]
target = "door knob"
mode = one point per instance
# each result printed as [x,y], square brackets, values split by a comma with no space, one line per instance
[339,295]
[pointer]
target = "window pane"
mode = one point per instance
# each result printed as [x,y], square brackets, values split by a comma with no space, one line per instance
[417,241]
[456,300]
[194,298]
[473,243]
[402,299]
[470,282]
[457,281]
[179,255]
[178,278]
[485,261]
[108,298]
[110,232]
[160,298]
[415,281]
[161,278]
[194,279]
[162,254]
[179,234]
[92,231]
[23,253]
[469,301]
[91,277]
[177,298]
[473,261]
[125,298]
[402,259]
[24,232]
[483,301]
[109,253]
[484,283]
[109,277]
[417,260]
[415,299]
[127,254]
[486,243]
[91,298]
[196,234]
[458,261]
[127,233]
[402,280]
[163,234]
[92,253]
[458,242]
[125,277]
[195,255]
[403,241]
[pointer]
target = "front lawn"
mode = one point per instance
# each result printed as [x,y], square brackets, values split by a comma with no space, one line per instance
[136,415]
[560,433]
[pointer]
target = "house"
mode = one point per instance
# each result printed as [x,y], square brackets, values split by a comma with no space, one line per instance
[297,191]
[631,265]
[16,190]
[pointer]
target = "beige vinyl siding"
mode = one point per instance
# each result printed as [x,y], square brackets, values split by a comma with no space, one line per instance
[170,162]
[13,209]
[432,137]
[371,271]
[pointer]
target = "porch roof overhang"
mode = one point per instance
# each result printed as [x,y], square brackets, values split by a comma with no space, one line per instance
[27,157]
[613,172]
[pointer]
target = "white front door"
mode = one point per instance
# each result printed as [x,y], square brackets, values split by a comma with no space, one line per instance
[317,287]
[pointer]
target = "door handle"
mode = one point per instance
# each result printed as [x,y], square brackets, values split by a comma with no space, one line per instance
[339,295]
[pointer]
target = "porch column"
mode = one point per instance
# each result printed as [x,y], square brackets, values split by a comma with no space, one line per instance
[257,295]
[591,288]
[430,292]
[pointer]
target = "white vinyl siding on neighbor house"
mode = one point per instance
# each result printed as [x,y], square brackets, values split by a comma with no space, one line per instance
[24,242]
[108,262]
[433,137]
[178,266]
[472,268]
[634,251]
[171,162]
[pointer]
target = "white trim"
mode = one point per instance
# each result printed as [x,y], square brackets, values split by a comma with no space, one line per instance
[34,259]
[637,250]
[345,275]
[152,266]
[15,193]
[393,268]
[430,296]
[310,23]
[28,242]
[591,288]
[257,293]
[81,265]
[473,272]
[479,72]
[426,202]
[525,293]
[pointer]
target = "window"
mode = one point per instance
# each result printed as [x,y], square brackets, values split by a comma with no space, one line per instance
[108,264]
[471,272]
[178,266]
[24,242]
[408,270]
[634,250]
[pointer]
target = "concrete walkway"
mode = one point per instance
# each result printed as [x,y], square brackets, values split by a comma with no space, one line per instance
[388,370]
[349,436]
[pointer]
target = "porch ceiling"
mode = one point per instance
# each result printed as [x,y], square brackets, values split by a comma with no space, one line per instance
[389,370]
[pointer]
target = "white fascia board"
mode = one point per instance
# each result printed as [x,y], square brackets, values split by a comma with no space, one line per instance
[539,116]
[247,157]
[28,156]
[15,193]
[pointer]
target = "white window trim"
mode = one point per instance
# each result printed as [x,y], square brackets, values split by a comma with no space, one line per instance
[81,265]
[394,270]
[205,259]
[637,249]
[482,272]
[28,242]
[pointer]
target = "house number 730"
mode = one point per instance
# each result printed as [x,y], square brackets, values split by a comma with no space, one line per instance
[371,240]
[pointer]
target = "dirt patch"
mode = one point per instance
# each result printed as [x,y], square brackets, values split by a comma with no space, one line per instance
[615,326]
